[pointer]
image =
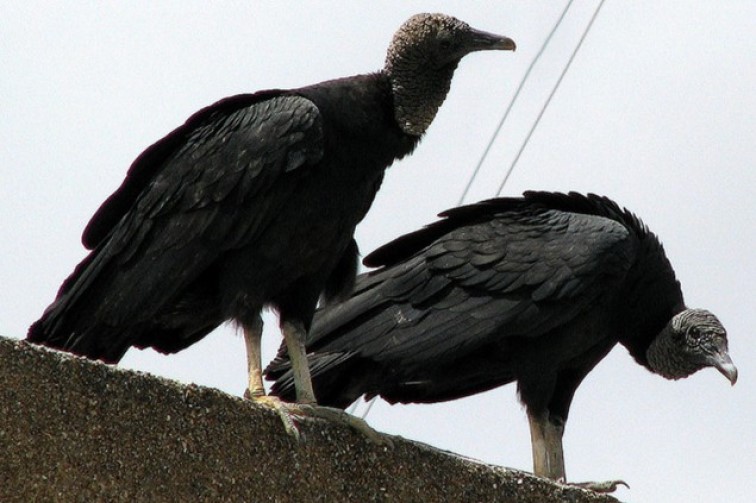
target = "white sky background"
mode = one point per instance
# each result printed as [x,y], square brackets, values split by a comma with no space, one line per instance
[658,112]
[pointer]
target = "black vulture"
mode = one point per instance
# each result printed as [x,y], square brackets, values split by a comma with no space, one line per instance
[536,290]
[253,202]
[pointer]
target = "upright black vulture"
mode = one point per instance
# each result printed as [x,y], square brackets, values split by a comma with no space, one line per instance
[253,202]
[535,289]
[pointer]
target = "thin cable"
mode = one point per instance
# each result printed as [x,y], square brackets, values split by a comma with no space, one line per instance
[369,406]
[353,408]
[512,102]
[548,100]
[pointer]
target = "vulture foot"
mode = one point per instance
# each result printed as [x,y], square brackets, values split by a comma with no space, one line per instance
[281,408]
[288,411]
[608,486]
[341,417]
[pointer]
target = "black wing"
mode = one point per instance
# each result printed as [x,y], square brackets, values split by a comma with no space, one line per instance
[486,272]
[149,163]
[179,210]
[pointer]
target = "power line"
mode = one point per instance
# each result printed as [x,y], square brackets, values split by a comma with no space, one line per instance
[369,406]
[353,408]
[512,102]
[548,100]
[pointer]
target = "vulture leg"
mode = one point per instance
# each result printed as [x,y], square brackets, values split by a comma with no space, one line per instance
[546,440]
[294,334]
[255,389]
[548,457]
[252,339]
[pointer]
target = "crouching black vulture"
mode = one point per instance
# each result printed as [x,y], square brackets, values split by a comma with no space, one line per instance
[535,290]
[253,202]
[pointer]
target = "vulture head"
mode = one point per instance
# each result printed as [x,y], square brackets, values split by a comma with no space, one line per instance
[692,340]
[421,61]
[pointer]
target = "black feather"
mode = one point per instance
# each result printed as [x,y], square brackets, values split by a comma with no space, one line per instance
[252,202]
[210,220]
[510,289]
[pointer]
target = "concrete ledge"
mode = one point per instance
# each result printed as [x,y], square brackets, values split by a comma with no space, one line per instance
[76,430]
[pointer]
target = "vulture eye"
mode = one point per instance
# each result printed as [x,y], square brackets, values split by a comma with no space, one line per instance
[444,39]
[694,336]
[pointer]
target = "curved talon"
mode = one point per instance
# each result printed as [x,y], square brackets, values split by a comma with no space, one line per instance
[286,410]
[339,416]
[608,486]
[283,409]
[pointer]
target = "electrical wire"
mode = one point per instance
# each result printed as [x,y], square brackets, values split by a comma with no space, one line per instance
[369,406]
[353,408]
[512,102]
[548,100]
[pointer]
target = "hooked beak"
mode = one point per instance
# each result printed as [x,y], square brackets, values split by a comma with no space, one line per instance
[723,363]
[484,41]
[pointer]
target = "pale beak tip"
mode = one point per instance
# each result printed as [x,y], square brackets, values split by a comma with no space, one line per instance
[730,371]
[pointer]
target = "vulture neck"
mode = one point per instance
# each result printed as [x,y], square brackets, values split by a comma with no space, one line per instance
[418,91]
[665,357]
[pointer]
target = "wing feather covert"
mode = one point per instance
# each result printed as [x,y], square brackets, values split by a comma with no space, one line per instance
[518,272]
[184,211]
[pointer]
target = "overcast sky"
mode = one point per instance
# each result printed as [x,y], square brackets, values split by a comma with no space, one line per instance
[658,112]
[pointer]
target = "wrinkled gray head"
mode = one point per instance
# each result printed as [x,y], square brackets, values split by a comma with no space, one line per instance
[692,340]
[421,61]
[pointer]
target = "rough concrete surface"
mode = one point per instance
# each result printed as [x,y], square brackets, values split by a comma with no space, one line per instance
[76,430]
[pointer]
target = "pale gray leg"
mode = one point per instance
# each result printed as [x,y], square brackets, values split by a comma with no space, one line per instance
[294,335]
[255,389]
[252,340]
[548,454]
[546,441]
